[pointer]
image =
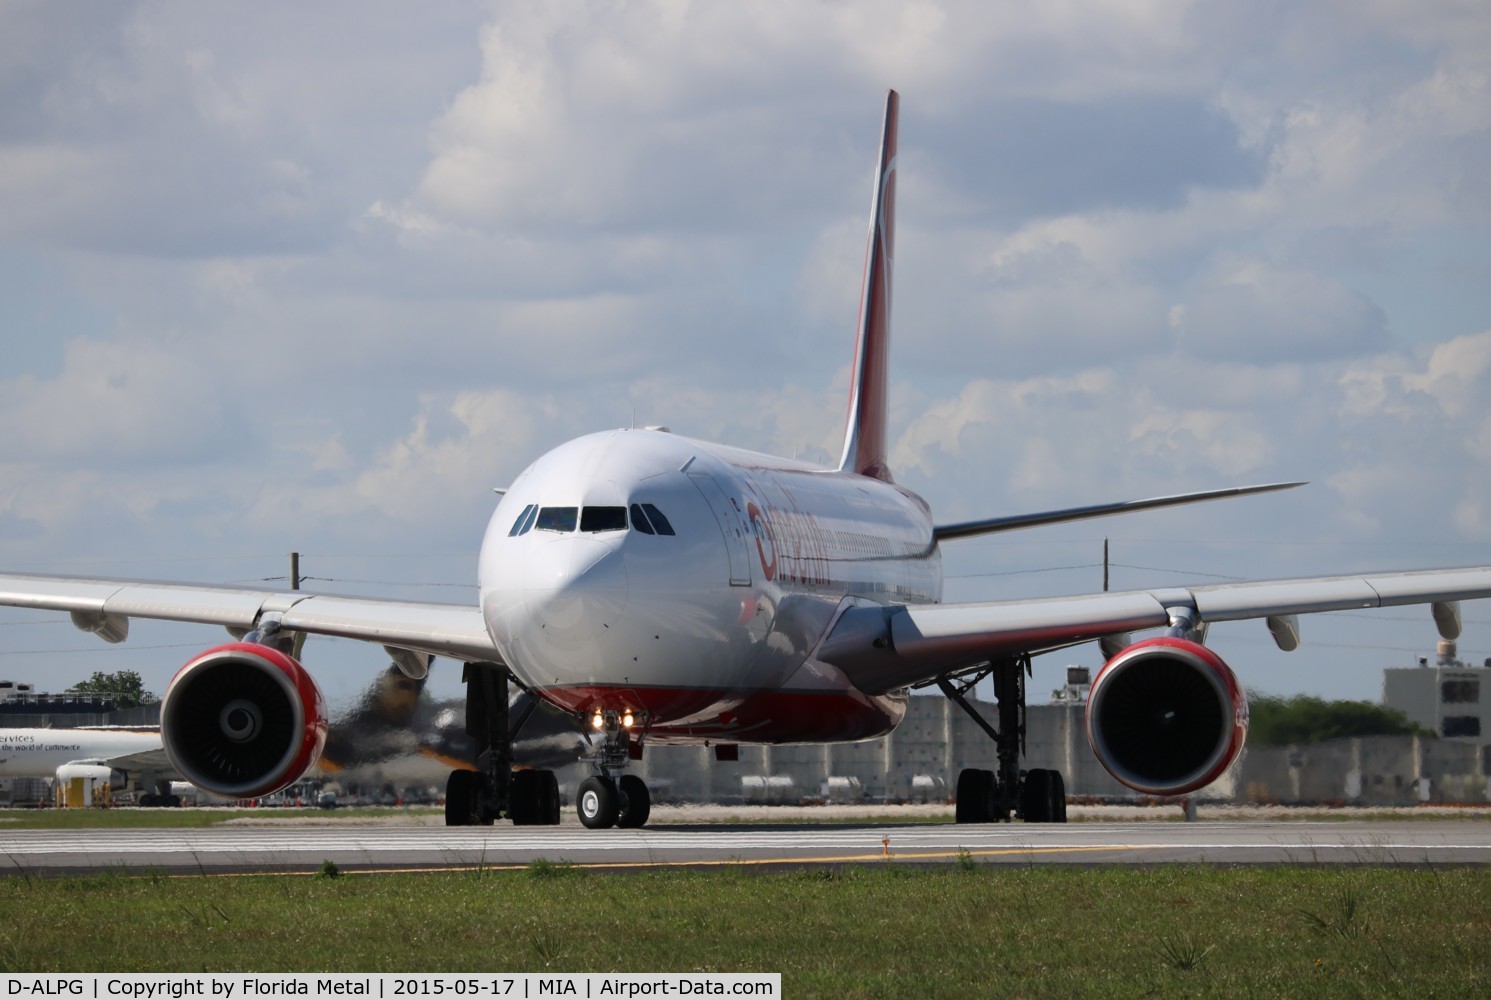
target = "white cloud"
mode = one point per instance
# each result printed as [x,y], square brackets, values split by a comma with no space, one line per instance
[1261,314]
[117,405]
[1457,375]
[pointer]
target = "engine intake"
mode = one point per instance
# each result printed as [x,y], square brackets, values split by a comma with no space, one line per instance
[1166,716]
[243,720]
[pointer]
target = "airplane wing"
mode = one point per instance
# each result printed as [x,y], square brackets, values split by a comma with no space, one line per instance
[882,648]
[138,762]
[104,607]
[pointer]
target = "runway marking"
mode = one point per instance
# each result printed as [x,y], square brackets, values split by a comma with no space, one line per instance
[427,849]
[219,842]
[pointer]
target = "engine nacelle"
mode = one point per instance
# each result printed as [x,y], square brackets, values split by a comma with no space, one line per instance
[242,720]
[1166,716]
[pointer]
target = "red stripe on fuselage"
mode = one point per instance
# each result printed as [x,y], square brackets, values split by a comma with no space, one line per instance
[693,715]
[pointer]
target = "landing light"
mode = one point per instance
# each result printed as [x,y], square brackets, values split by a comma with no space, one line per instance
[598,721]
[626,720]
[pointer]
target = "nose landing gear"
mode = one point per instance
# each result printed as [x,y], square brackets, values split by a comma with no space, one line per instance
[607,800]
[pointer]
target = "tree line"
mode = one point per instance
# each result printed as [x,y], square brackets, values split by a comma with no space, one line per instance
[1304,718]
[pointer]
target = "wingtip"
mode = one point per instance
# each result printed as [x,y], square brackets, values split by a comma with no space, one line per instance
[1271,487]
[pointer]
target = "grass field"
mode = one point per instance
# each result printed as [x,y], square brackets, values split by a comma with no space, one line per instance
[956,930]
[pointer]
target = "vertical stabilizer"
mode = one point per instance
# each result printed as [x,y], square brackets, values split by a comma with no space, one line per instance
[864,435]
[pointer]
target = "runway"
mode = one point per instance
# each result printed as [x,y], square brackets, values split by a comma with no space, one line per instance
[354,846]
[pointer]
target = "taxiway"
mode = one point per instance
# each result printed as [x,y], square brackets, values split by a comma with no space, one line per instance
[355,846]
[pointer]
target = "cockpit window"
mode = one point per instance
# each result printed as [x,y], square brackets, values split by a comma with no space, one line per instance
[659,522]
[603,519]
[639,520]
[644,517]
[557,518]
[524,521]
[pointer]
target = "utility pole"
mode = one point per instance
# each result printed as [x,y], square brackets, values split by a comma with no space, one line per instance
[1105,565]
[299,642]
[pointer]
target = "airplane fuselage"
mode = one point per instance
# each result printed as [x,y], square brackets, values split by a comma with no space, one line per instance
[37,753]
[636,570]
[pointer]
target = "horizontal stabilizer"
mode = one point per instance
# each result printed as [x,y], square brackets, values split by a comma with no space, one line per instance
[991,525]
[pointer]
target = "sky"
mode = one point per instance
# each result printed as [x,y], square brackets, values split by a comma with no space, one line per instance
[319,278]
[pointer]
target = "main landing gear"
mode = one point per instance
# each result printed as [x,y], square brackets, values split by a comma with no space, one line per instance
[1037,795]
[494,790]
[162,796]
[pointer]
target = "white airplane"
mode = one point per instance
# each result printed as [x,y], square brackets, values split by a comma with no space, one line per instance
[95,750]
[668,590]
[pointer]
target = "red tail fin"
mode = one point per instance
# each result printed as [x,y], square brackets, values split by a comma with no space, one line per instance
[864,437]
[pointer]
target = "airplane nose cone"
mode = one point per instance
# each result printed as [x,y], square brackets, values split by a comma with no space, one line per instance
[576,604]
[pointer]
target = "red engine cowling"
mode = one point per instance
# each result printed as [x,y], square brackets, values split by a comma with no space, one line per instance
[242,720]
[1166,716]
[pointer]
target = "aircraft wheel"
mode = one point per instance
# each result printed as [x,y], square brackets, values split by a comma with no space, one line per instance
[1035,796]
[523,798]
[460,799]
[975,802]
[149,800]
[597,804]
[636,802]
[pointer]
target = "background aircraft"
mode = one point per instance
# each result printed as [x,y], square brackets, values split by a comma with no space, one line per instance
[671,590]
[393,735]
[95,753]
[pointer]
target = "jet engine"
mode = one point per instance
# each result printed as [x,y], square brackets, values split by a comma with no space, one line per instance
[1166,716]
[242,720]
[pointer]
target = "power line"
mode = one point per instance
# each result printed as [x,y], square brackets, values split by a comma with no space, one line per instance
[110,648]
[1019,572]
[1180,572]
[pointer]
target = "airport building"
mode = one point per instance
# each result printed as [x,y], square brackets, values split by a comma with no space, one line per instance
[920,761]
[23,707]
[1448,696]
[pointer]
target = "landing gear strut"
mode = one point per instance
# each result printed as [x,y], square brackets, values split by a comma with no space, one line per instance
[1037,795]
[494,789]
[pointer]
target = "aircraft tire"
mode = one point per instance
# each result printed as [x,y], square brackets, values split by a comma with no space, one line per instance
[636,802]
[1035,796]
[523,804]
[597,803]
[975,801]
[460,798]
